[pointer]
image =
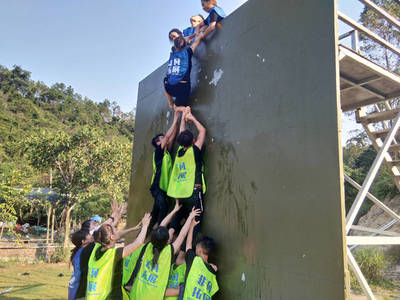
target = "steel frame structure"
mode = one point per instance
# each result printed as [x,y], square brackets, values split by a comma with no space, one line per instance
[385,237]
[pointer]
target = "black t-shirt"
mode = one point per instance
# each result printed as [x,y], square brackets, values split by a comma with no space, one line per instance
[189,258]
[213,17]
[116,292]
[198,158]
[158,157]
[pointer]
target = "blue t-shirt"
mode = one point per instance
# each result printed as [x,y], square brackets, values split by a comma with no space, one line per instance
[216,15]
[76,275]
[189,31]
[179,65]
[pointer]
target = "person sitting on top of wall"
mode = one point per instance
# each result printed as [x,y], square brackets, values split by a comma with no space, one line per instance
[190,32]
[216,15]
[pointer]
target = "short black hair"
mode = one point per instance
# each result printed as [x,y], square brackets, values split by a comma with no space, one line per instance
[86,225]
[174,30]
[185,138]
[155,139]
[207,244]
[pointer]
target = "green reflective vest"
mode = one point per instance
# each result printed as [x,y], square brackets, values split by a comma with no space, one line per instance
[200,282]
[100,272]
[151,281]
[183,174]
[129,265]
[166,167]
[176,278]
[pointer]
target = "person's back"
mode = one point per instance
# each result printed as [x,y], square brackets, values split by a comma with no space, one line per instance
[101,273]
[201,279]
[152,278]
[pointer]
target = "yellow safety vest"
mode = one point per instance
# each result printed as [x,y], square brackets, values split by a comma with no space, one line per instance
[183,174]
[99,278]
[166,167]
[151,281]
[176,278]
[200,282]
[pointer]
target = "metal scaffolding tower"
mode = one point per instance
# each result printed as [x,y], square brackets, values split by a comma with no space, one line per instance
[368,89]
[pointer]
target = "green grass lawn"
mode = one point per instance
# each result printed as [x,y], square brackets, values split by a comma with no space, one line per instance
[42,282]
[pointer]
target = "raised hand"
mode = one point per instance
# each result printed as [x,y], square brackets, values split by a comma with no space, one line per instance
[195,213]
[146,219]
[123,207]
[138,226]
[114,207]
[177,205]
[194,223]
[189,117]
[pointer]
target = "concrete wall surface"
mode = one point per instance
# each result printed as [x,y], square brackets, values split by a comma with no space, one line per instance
[268,97]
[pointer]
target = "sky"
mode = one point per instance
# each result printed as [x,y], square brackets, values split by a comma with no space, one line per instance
[101,48]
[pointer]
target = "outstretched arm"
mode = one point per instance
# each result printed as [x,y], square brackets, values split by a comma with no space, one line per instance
[200,28]
[123,232]
[169,217]
[171,133]
[182,234]
[182,127]
[197,41]
[140,238]
[210,29]
[189,239]
[200,128]
[116,213]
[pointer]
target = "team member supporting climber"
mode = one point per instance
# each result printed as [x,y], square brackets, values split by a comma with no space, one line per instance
[104,276]
[177,80]
[81,258]
[216,15]
[187,179]
[152,277]
[162,166]
[201,280]
[190,32]
[131,262]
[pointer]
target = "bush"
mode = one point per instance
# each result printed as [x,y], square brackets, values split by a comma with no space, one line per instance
[372,263]
[60,254]
[355,285]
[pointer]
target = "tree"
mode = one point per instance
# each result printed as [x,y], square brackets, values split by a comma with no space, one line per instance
[84,162]
[12,198]
[384,29]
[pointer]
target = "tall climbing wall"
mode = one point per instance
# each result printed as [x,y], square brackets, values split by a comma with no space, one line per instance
[268,97]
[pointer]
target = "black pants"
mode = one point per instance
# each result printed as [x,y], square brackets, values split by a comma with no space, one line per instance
[181,92]
[160,207]
[195,200]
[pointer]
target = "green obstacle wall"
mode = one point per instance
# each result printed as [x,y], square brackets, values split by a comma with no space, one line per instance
[268,97]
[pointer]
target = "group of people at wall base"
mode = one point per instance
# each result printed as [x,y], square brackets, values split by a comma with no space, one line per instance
[161,263]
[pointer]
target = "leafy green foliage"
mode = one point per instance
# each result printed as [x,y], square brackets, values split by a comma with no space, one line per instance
[384,29]
[12,197]
[358,157]
[372,263]
[86,144]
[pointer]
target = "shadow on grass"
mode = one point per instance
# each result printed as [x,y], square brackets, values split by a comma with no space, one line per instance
[10,295]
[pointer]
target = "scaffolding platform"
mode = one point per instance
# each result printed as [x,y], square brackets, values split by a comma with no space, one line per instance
[363,82]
